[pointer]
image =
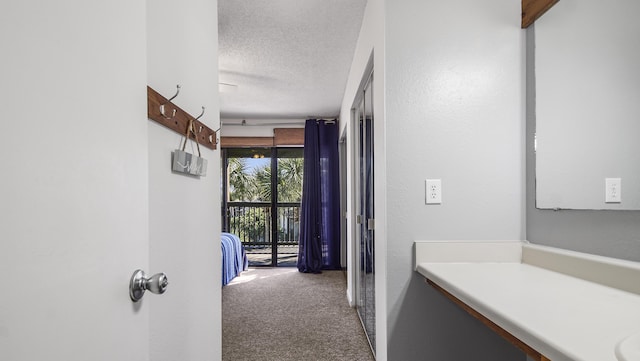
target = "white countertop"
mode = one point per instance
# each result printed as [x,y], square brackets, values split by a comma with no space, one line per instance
[563,317]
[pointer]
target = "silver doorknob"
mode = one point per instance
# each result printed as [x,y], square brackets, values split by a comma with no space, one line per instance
[139,283]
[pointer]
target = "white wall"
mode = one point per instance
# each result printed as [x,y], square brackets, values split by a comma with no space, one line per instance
[455,101]
[454,111]
[453,108]
[184,212]
[370,43]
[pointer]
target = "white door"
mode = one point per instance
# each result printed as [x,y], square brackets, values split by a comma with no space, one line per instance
[73,184]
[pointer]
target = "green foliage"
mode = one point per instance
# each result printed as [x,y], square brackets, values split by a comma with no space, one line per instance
[253,224]
[256,186]
[290,172]
[262,183]
[239,182]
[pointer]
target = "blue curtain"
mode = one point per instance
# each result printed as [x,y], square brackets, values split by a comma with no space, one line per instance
[320,210]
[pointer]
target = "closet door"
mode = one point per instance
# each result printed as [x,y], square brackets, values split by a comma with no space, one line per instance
[366,214]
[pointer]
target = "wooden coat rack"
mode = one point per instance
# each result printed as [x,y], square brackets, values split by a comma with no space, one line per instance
[178,121]
[533,9]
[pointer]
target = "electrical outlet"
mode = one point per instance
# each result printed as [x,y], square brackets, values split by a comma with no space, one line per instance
[613,190]
[433,189]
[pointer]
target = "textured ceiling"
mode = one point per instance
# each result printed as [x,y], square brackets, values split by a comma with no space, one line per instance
[285,59]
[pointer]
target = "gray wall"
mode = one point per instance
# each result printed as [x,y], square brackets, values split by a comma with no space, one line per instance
[454,99]
[609,233]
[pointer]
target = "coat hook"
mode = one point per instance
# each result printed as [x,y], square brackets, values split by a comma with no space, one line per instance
[173,113]
[217,135]
[201,114]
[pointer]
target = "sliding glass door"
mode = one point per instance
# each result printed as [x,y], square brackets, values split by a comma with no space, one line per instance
[288,180]
[262,190]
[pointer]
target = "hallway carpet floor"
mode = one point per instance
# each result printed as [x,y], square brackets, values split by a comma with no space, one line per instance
[280,314]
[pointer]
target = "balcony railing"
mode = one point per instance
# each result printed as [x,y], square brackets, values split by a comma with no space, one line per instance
[251,222]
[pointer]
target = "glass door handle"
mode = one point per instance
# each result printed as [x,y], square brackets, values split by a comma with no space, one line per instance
[139,283]
[371,224]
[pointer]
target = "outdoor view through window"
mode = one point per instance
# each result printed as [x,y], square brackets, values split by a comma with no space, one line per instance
[263,207]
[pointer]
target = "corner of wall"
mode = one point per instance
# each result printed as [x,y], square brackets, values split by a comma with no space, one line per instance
[184,211]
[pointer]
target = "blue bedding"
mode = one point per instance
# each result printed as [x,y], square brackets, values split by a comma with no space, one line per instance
[234,258]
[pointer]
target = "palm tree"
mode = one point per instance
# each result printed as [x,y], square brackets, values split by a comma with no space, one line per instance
[289,181]
[290,172]
[262,183]
[239,180]
[254,185]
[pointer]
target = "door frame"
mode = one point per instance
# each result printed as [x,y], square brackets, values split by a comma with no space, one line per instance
[356,192]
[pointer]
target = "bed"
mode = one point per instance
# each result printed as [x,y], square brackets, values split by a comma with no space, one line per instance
[234,258]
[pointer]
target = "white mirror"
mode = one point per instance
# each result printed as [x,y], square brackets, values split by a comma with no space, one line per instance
[587,70]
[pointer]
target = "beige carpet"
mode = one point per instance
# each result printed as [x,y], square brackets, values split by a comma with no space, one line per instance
[279,314]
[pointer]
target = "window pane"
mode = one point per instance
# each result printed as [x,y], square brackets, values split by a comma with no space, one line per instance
[290,169]
[249,175]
